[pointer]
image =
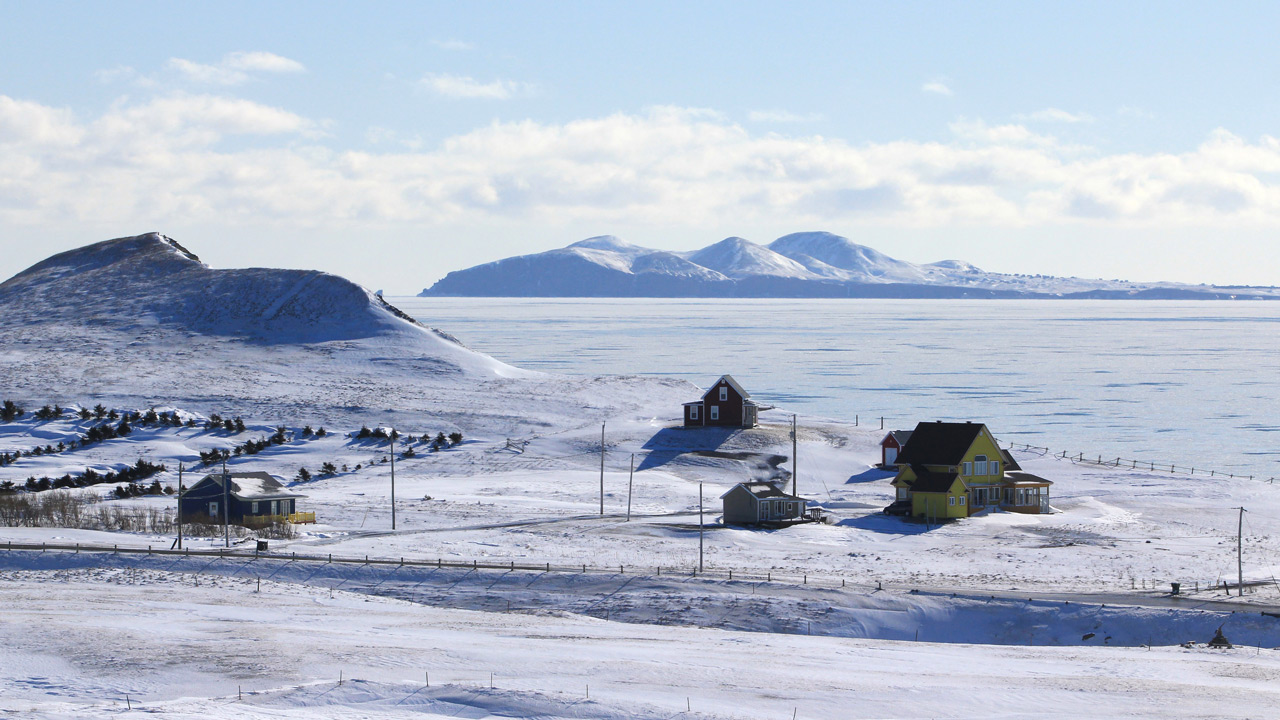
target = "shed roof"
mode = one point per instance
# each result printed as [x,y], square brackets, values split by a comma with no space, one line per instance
[1025,479]
[762,490]
[940,443]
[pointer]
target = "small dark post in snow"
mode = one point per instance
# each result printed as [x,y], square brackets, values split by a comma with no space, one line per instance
[1239,557]
[630,481]
[601,469]
[795,465]
[393,478]
[180,469]
[700,527]
[226,500]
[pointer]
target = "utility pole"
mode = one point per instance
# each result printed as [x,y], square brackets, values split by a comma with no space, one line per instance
[180,468]
[700,527]
[795,468]
[630,481]
[601,469]
[1239,554]
[393,478]
[226,501]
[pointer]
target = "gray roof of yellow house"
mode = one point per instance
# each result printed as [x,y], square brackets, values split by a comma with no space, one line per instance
[928,481]
[939,443]
[1017,477]
[1009,462]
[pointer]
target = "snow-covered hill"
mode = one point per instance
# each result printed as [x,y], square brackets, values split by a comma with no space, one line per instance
[140,320]
[738,258]
[805,264]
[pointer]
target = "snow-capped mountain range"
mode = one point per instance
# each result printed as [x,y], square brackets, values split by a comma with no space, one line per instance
[140,320]
[806,264]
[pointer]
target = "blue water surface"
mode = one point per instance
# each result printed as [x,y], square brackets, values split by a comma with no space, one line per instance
[1193,383]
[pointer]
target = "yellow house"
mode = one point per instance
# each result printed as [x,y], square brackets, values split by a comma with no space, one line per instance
[951,470]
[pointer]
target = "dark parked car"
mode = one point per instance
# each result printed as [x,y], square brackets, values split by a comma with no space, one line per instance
[898,507]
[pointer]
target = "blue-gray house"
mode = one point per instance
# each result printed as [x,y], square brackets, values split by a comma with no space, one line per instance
[245,496]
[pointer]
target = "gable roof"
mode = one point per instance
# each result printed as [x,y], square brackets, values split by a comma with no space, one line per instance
[902,436]
[252,486]
[928,481]
[940,443]
[732,383]
[762,490]
[1009,462]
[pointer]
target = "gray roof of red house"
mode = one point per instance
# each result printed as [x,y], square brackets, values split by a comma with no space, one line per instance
[902,436]
[939,443]
[732,383]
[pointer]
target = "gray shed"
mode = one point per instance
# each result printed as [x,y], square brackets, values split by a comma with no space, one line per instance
[754,503]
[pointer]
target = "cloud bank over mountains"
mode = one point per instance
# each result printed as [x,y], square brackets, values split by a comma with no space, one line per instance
[213,156]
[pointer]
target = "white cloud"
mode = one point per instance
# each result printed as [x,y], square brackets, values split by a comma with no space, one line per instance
[460,86]
[1055,115]
[259,61]
[937,87]
[234,68]
[168,160]
[782,116]
[31,125]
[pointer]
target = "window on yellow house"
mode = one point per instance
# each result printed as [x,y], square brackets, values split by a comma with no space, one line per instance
[980,465]
[968,469]
[951,500]
[961,499]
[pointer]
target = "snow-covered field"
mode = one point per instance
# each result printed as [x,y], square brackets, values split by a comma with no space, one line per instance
[185,645]
[868,616]
[1112,529]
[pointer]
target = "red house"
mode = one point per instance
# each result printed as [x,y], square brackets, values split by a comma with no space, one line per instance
[725,404]
[891,447]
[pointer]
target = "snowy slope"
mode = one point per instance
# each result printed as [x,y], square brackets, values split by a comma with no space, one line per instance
[140,320]
[738,258]
[858,263]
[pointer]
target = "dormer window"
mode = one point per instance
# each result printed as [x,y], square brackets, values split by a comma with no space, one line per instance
[980,465]
[724,393]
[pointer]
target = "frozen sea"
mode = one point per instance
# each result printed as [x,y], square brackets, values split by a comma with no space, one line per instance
[1196,384]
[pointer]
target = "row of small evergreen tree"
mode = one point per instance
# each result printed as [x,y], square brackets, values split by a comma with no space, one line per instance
[138,471]
[248,447]
[440,441]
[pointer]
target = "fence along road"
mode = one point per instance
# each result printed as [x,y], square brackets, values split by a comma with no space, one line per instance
[772,582]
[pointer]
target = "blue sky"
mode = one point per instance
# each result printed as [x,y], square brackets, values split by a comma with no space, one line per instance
[1130,140]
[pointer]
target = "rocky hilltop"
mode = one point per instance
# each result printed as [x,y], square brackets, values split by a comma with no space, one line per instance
[141,321]
[806,264]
